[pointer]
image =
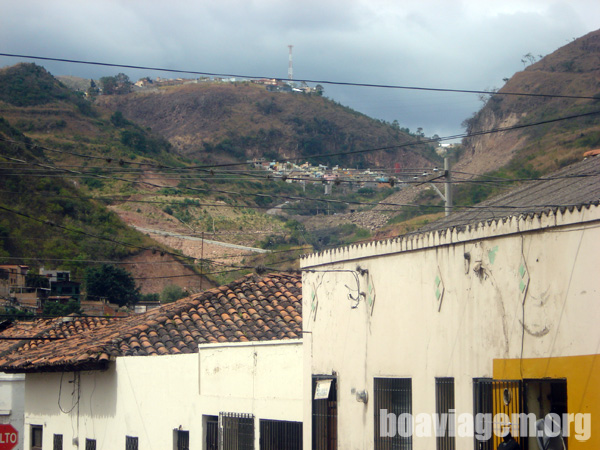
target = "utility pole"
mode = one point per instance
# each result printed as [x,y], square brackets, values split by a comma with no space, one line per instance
[447,185]
[447,195]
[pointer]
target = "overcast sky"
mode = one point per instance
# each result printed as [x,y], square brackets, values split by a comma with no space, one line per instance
[469,44]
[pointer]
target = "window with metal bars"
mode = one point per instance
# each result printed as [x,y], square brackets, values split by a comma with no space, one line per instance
[182,440]
[392,398]
[131,443]
[90,444]
[444,408]
[236,431]
[324,414]
[212,432]
[58,442]
[37,432]
[279,434]
[483,411]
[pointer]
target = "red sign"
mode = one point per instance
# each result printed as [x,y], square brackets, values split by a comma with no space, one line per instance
[9,437]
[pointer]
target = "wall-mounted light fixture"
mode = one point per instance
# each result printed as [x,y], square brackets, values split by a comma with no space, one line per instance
[362,396]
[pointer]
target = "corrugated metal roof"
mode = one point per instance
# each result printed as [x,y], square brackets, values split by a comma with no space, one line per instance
[574,186]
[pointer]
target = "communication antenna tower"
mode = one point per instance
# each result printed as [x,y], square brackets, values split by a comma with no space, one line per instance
[290,66]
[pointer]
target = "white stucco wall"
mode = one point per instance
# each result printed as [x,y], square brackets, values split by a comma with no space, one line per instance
[146,397]
[404,334]
[150,396]
[262,378]
[12,403]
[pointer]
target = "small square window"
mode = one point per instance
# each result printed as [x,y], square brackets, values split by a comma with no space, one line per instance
[90,444]
[131,443]
[37,432]
[182,440]
[58,442]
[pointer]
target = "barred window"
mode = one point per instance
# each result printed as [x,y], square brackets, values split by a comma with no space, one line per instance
[444,407]
[236,431]
[393,398]
[279,434]
[131,443]
[58,442]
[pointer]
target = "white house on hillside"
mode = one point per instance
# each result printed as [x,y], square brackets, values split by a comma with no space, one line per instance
[491,311]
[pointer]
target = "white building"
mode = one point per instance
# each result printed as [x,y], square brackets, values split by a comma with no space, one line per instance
[492,310]
[220,368]
[12,402]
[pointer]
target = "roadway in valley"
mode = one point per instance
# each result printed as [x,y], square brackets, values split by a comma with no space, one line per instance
[193,238]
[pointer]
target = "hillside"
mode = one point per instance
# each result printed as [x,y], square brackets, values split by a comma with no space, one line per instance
[572,70]
[239,121]
[54,217]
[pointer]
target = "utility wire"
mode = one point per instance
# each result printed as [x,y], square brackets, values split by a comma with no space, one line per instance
[329,82]
[296,198]
[389,147]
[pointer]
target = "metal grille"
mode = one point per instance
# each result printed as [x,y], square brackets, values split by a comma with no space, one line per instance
[212,433]
[324,417]
[131,443]
[483,409]
[507,399]
[183,440]
[236,431]
[393,397]
[444,402]
[280,434]
[90,444]
[58,442]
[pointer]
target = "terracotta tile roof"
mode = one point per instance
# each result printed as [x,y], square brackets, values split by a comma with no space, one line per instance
[251,309]
[45,330]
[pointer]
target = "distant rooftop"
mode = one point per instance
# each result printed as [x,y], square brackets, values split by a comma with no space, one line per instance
[574,186]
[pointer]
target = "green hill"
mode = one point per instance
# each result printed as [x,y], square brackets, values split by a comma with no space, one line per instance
[58,155]
[45,217]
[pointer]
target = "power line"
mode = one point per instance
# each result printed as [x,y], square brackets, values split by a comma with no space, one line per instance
[296,198]
[74,230]
[328,82]
[370,150]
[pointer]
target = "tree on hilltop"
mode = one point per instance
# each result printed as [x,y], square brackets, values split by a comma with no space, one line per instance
[117,85]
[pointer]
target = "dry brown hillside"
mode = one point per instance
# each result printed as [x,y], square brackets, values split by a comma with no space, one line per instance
[573,70]
[225,121]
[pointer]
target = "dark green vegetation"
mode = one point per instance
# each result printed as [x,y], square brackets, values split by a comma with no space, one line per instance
[299,237]
[43,216]
[55,309]
[343,198]
[171,293]
[47,215]
[108,282]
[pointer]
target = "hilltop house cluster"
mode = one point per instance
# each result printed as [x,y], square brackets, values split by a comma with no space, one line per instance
[360,178]
[270,84]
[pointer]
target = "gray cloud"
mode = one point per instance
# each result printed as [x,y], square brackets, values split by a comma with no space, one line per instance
[465,44]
